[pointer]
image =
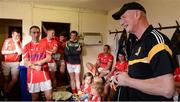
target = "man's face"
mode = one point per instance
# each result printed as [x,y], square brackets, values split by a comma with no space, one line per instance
[73,36]
[121,57]
[50,34]
[61,38]
[35,34]
[105,49]
[128,20]
[16,36]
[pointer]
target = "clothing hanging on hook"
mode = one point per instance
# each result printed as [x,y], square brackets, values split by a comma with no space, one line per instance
[175,41]
[175,46]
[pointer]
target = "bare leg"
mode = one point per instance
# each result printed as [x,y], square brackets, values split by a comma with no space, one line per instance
[35,96]
[62,67]
[91,68]
[6,80]
[72,81]
[48,95]
[77,78]
[106,92]
[53,79]
[12,82]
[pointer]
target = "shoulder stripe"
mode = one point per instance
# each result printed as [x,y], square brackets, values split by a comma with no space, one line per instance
[161,37]
[158,36]
[157,48]
[158,40]
[142,60]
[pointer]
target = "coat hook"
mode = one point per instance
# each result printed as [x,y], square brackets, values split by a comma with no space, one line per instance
[115,33]
[160,27]
[109,31]
[177,23]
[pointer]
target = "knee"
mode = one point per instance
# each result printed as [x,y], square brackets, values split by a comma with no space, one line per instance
[72,78]
[49,98]
[106,89]
[14,80]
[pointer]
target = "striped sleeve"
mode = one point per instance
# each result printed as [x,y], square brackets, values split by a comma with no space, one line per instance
[158,43]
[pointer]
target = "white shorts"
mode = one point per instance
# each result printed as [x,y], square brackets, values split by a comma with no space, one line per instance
[37,87]
[52,67]
[102,70]
[10,67]
[73,68]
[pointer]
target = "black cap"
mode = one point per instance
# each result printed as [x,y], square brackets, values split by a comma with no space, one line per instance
[128,6]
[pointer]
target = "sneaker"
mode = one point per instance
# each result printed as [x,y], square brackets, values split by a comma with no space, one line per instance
[6,96]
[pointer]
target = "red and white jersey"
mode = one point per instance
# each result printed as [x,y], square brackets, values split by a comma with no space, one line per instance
[35,52]
[86,89]
[104,59]
[9,45]
[51,44]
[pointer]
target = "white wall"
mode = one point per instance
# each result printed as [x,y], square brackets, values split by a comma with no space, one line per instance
[164,12]
[82,20]
[18,11]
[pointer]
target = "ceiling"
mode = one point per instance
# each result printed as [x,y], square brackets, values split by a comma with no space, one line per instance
[105,5]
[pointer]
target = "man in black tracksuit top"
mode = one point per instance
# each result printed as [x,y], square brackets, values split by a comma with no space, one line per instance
[73,54]
[150,66]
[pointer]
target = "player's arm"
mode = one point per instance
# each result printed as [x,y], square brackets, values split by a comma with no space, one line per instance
[5,50]
[43,61]
[54,49]
[18,48]
[27,63]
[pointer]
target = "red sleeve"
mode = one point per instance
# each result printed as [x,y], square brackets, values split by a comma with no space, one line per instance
[116,65]
[110,58]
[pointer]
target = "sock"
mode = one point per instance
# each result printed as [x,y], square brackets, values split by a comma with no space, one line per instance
[74,91]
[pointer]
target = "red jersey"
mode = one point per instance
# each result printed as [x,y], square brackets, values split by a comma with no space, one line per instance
[121,67]
[9,45]
[104,59]
[35,52]
[177,74]
[51,43]
[56,38]
[61,46]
